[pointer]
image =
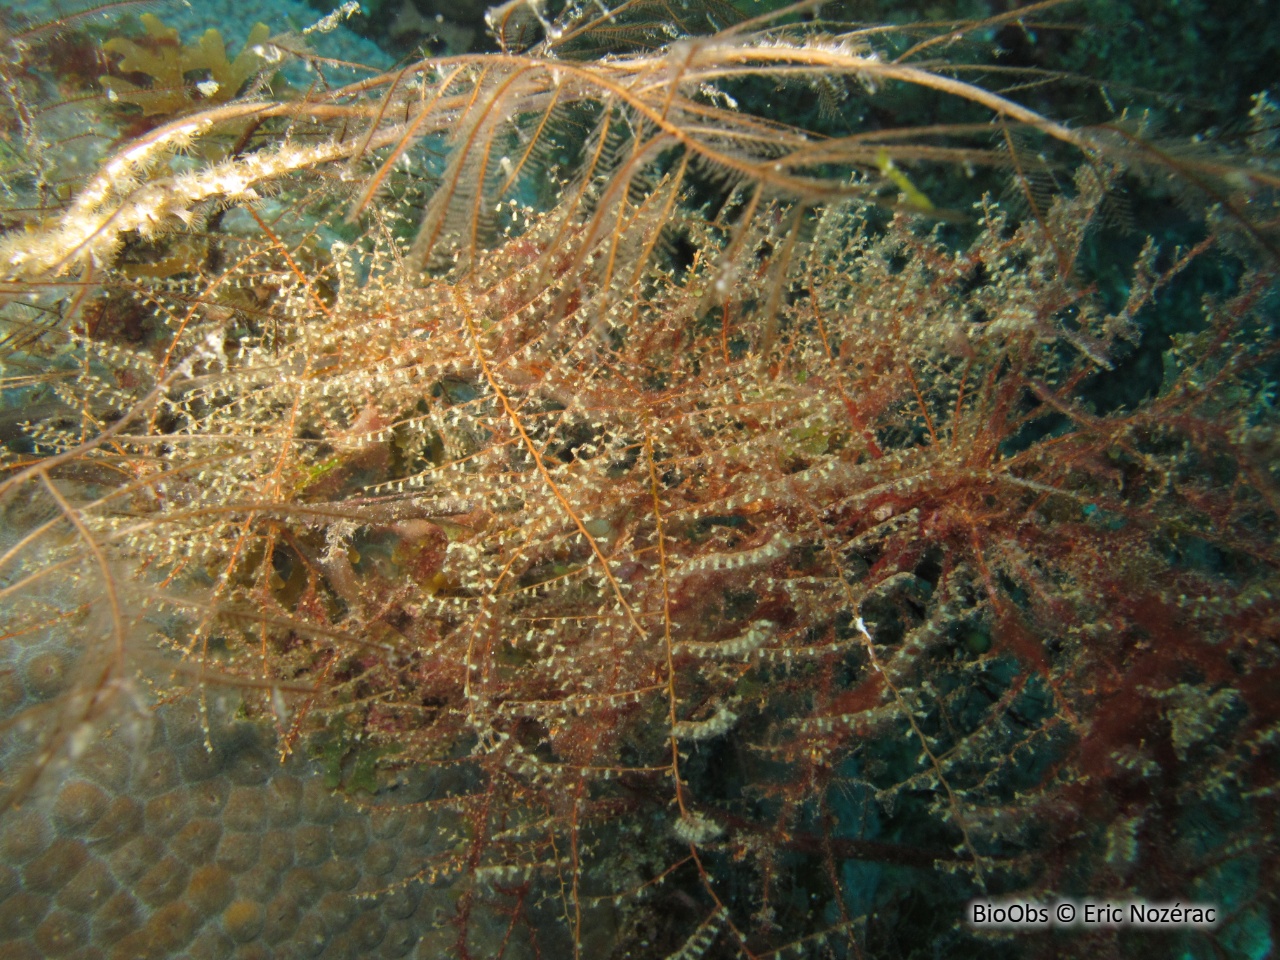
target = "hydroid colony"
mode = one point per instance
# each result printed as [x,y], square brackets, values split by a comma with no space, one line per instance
[741,555]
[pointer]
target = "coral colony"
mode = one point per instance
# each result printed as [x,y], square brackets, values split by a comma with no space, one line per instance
[682,483]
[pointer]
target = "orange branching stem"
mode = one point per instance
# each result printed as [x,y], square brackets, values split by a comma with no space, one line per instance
[622,482]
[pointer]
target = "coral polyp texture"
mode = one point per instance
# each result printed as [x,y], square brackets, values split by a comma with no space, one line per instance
[159,849]
[555,502]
